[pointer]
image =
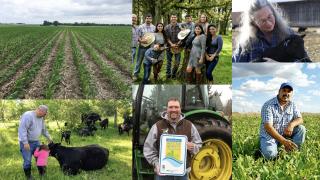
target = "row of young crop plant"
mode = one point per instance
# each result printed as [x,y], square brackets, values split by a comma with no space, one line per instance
[110,74]
[14,42]
[28,76]
[112,55]
[8,72]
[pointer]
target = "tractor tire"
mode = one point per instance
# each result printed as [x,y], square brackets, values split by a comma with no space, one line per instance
[214,159]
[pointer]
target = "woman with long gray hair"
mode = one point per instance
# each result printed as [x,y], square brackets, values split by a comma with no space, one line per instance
[262,27]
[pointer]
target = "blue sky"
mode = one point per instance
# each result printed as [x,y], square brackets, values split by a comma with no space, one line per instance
[255,83]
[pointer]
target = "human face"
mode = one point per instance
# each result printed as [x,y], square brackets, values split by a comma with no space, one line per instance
[148,20]
[160,27]
[197,30]
[285,95]
[203,18]
[174,111]
[173,19]
[212,30]
[189,19]
[264,19]
[156,47]
[134,19]
[41,113]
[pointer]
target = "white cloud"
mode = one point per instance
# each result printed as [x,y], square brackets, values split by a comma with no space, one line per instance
[313,65]
[314,92]
[36,11]
[291,72]
[245,106]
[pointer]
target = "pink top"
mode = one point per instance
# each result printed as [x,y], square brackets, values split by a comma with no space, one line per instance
[42,157]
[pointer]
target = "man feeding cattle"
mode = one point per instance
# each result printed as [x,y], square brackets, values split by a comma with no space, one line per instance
[263,28]
[172,122]
[31,126]
[281,124]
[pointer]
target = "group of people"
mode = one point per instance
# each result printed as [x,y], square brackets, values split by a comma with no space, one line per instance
[199,42]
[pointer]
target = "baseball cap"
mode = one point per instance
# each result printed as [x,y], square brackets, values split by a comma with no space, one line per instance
[283,85]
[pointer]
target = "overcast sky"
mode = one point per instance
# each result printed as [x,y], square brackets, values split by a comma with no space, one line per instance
[36,11]
[240,5]
[254,84]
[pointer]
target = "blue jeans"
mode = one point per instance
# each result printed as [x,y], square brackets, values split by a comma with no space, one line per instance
[141,52]
[176,64]
[185,177]
[269,149]
[210,65]
[147,69]
[27,155]
[133,54]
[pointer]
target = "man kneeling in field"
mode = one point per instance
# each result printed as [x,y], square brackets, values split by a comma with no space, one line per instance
[281,124]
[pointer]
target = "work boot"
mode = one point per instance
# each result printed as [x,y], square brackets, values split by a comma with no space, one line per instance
[189,77]
[198,78]
[27,172]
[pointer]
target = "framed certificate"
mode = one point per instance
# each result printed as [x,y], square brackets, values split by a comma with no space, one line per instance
[173,154]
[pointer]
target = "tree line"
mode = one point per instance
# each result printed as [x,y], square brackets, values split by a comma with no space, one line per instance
[64,110]
[57,23]
[218,11]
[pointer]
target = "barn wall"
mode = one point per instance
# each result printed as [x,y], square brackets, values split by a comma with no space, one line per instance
[302,13]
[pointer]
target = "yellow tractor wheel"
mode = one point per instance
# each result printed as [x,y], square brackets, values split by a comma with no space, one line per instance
[212,162]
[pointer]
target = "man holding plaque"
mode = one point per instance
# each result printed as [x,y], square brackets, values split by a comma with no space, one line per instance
[172,122]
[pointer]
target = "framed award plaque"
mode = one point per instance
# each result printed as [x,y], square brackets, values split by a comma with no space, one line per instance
[173,154]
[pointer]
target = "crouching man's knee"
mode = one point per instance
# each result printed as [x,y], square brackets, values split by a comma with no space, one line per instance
[299,134]
[269,153]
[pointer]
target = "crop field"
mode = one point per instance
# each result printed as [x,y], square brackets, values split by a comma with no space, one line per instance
[303,164]
[64,62]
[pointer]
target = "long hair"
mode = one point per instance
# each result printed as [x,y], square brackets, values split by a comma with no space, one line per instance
[209,36]
[198,25]
[248,29]
[163,33]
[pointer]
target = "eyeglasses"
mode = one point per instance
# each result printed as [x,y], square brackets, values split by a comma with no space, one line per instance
[261,22]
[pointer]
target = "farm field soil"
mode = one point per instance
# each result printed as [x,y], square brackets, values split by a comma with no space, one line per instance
[65,62]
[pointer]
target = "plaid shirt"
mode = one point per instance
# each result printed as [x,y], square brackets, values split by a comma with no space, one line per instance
[143,28]
[172,33]
[135,36]
[256,50]
[271,113]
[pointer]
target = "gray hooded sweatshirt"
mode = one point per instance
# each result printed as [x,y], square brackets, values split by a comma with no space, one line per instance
[150,151]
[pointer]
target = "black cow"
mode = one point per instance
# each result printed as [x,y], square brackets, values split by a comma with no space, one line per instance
[104,123]
[86,132]
[74,159]
[90,118]
[124,127]
[289,50]
[66,136]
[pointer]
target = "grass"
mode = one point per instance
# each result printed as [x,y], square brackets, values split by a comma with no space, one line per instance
[301,164]
[118,166]
[222,73]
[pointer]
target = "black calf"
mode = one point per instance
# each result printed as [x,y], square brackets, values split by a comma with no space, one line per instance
[124,127]
[289,50]
[85,132]
[66,136]
[74,159]
[104,123]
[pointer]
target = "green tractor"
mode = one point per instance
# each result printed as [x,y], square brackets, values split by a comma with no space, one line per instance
[214,160]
